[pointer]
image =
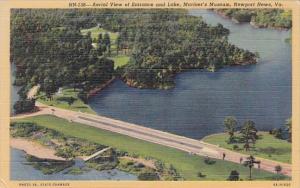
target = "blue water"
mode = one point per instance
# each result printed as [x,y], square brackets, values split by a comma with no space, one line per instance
[198,104]
[21,171]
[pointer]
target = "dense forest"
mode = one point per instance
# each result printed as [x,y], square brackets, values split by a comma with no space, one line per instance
[51,55]
[49,49]
[168,42]
[272,18]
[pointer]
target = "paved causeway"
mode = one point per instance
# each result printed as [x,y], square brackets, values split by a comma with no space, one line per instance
[189,145]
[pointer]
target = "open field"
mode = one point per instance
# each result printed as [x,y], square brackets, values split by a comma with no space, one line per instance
[61,101]
[267,146]
[95,31]
[187,165]
[120,60]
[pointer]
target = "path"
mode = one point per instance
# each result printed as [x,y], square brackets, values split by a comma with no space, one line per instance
[33,91]
[155,136]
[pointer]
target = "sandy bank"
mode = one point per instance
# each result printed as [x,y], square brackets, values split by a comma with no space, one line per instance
[34,149]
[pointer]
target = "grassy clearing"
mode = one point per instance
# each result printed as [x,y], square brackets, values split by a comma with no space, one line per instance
[120,60]
[267,146]
[61,101]
[95,31]
[187,165]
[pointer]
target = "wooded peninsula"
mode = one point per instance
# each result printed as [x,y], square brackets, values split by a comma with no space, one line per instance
[49,48]
[264,18]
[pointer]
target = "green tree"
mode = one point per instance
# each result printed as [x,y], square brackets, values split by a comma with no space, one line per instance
[83,95]
[49,87]
[249,133]
[24,105]
[278,169]
[119,43]
[288,125]
[106,41]
[71,100]
[249,162]
[101,45]
[234,176]
[65,152]
[230,124]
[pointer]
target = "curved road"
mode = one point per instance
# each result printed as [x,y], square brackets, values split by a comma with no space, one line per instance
[155,136]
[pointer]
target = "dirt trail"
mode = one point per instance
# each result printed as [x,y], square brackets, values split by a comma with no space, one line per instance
[33,91]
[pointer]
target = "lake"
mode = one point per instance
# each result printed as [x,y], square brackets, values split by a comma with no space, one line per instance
[196,107]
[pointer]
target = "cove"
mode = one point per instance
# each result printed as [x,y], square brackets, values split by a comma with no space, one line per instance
[21,170]
[200,100]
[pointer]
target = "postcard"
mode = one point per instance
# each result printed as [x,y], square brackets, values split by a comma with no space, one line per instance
[127,93]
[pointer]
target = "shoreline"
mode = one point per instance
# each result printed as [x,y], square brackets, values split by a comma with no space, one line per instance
[133,84]
[35,149]
[253,24]
[99,88]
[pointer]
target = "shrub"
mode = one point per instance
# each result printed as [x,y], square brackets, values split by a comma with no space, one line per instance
[148,176]
[121,153]
[235,147]
[65,152]
[234,176]
[106,165]
[242,16]
[24,105]
[134,155]
[24,129]
[139,165]
[87,149]
[130,163]
[83,96]
[69,100]
[200,175]
[278,133]
[159,165]
[278,169]
[209,161]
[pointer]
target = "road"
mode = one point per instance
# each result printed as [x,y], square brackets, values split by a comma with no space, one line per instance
[192,146]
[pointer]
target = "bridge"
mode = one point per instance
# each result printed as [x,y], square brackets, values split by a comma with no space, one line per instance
[96,155]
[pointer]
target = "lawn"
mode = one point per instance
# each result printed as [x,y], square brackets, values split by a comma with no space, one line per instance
[187,165]
[61,101]
[267,146]
[95,31]
[120,60]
